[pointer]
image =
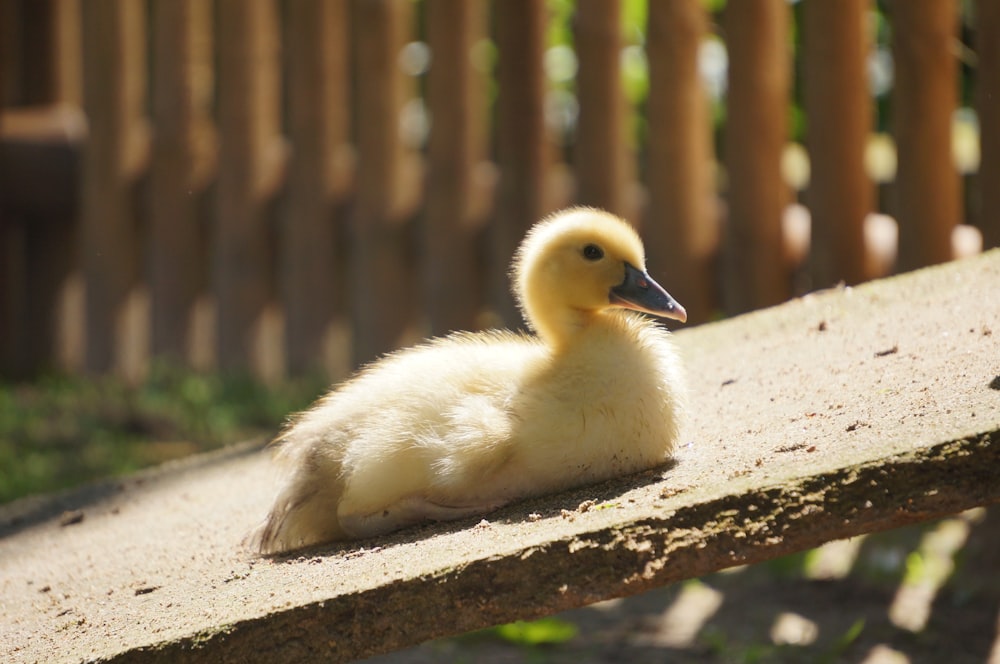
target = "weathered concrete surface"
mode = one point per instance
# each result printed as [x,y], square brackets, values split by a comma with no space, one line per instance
[841,413]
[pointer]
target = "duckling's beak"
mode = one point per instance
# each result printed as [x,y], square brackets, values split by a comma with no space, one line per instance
[641,293]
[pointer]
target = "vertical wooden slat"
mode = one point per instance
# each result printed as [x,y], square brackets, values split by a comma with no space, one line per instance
[181,147]
[839,120]
[923,100]
[756,132]
[61,245]
[600,156]
[249,163]
[520,139]
[681,227]
[455,149]
[68,76]
[114,68]
[988,107]
[311,283]
[381,287]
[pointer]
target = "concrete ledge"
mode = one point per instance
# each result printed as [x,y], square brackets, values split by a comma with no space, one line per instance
[841,413]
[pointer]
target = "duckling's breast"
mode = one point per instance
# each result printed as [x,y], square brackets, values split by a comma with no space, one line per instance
[609,404]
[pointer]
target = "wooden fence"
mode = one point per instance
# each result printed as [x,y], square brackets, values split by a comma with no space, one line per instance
[238,183]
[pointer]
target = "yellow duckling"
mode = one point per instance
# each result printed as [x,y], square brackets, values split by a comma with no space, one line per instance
[467,423]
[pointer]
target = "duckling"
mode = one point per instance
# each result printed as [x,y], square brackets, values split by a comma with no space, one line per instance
[464,424]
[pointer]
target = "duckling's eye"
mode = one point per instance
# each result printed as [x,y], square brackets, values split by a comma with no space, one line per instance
[593,253]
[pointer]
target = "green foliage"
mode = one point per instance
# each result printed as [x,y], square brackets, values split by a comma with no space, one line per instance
[924,568]
[845,640]
[61,431]
[560,31]
[635,75]
[537,632]
[790,566]
[716,641]
[634,16]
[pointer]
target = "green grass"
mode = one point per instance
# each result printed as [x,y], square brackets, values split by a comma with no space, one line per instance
[534,633]
[61,431]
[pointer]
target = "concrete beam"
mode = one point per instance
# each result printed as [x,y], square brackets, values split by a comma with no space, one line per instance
[842,413]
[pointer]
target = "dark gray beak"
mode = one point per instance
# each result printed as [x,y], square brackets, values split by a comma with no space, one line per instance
[641,293]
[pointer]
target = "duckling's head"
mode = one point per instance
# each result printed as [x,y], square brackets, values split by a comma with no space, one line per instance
[576,265]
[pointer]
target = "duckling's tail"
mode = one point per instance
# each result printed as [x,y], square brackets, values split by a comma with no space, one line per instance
[305,512]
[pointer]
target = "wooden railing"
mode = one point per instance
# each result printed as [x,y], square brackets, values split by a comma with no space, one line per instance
[228,183]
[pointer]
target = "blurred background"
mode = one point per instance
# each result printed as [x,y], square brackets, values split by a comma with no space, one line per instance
[283,188]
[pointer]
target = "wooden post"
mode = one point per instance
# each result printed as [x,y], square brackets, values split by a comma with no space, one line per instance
[249,172]
[312,281]
[114,156]
[183,158]
[50,44]
[39,178]
[755,137]
[600,156]
[924,98]
[381,285]
[41,164]
[681,227]
[988,107]
[456,147]
[839,113]
[520,139]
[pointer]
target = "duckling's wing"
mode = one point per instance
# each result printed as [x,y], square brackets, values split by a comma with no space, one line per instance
[407,512]
[408,440]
